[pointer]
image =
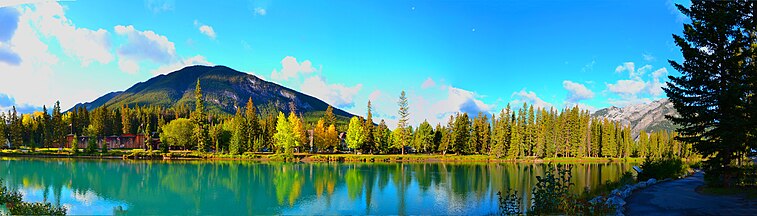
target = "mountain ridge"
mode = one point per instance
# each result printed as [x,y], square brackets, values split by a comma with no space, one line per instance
[223,88]
[644,116]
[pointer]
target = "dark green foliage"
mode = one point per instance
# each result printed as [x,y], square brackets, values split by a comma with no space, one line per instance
[666,167]
[91,146]
[716,92]
[551,191]
[551,196]
[509,203]
[12,199]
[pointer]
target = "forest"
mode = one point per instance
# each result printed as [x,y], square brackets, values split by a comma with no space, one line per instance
[525,132]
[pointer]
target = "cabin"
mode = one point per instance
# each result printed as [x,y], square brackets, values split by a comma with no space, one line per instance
[125,141]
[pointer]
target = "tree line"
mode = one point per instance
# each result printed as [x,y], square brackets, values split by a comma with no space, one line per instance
[525,132]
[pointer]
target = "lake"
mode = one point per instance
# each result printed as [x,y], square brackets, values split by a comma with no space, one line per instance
[243,188]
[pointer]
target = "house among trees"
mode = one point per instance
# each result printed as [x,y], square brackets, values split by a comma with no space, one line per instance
[125,141]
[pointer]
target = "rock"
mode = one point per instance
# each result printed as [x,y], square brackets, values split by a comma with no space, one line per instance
[615,201]
[597,199]
[651,181]
[641,185]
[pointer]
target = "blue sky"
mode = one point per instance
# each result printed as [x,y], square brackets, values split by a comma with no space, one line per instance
[450,56]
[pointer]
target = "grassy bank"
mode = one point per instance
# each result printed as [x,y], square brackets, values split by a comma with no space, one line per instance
[140,154]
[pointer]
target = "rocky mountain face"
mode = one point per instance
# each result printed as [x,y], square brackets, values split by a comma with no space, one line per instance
[648,117]
[222,87]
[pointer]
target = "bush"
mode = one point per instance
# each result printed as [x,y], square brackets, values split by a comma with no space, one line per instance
[12,199]
[661,168]
[551,195]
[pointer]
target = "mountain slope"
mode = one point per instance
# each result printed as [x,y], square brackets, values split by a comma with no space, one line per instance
[222,87]
[648,117]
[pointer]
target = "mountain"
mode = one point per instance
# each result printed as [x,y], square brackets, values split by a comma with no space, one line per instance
[648,116]
[221,86]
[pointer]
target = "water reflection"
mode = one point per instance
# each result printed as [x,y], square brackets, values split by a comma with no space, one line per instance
[233,187]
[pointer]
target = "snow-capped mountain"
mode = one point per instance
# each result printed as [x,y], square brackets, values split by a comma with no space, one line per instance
[648,116]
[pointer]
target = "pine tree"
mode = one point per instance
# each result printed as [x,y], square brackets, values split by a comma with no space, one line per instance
[239,136]
[329,116]
[608,139]
[381,135]
[425,137]
[514,150]
[716,88]
[200,119]
[404,117]
[252,126]
[446,142]
[369,143]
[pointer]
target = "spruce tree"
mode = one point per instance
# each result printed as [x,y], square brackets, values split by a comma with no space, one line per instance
[716,89]
[404,117]
[369,143]
[200,119]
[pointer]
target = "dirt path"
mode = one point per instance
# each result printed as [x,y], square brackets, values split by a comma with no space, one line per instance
[680,198]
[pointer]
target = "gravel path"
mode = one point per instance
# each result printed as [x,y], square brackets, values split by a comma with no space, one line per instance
[680,198]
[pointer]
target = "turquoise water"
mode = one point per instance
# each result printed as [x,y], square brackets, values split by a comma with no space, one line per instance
[242,188]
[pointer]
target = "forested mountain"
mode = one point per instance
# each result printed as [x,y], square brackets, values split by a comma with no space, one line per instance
[648,117]
[222,88]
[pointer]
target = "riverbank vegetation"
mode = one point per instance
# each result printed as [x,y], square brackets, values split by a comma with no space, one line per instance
[12,201]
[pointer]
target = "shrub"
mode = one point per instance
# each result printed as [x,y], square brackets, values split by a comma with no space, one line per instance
[661,168]
[509,204]
[551,195]
[12,199]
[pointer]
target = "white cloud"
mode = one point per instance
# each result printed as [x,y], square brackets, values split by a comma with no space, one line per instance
[260,11]
[530,98]
[337,95]
[205,29]
[589,66]
[84,44]
[128,66]
[37,63]
[290,68]
[145,45]
[576,91]
[628,66]
[641,71]
[157,6]
[655,87]
[195,60]
[647,57]
[629,87]
[641,87]
[428,83]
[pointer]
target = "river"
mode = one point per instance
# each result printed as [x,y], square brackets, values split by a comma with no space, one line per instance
[242,187]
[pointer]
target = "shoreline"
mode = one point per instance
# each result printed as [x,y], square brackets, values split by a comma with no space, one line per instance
[309,158]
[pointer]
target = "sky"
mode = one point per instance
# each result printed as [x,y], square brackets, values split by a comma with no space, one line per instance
[449,56]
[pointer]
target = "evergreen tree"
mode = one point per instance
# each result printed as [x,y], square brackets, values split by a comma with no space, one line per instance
[447,138]
[200,119]
[717,83]
[514,149]
[424,137]
[461,134]
[608,139]
[369,143]
[329,116]
[382,136]
[252,128]
[404,136]
[239,135]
